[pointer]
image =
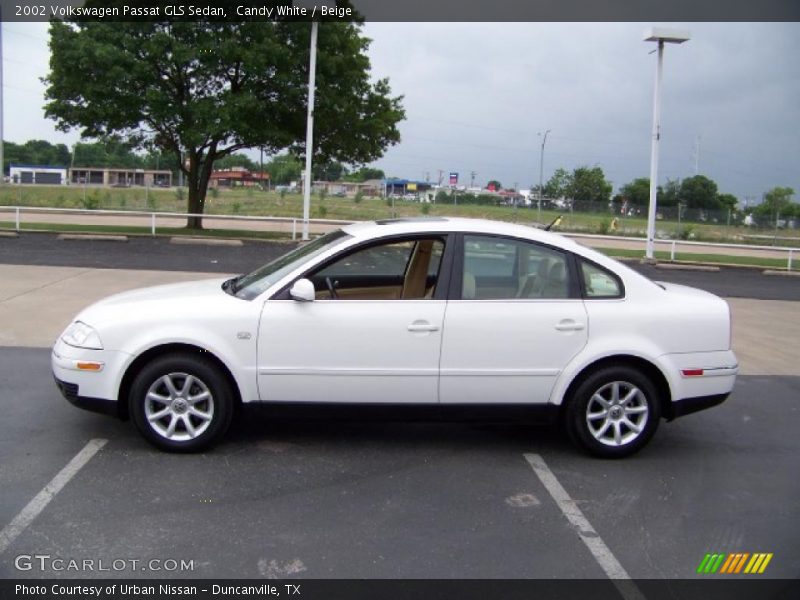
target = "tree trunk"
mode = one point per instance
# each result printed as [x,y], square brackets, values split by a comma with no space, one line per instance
[199,176]
[197,193]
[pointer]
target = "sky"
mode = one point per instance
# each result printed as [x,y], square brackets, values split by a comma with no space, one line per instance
[477,96]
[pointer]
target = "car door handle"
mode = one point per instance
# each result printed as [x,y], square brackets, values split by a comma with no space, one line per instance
[422,326]
[569,325]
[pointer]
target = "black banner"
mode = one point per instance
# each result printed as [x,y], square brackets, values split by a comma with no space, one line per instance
[733,588]
[405,10]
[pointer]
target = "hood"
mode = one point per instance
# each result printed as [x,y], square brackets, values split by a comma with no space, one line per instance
[188,290]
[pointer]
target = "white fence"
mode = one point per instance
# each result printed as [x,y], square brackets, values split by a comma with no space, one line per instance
[154,219]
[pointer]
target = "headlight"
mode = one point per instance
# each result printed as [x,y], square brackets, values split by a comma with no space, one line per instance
[80,335]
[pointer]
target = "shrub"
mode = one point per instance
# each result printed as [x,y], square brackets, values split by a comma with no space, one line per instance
[603,227]
[425,208]
[214,192]
[358,197]
[179,193]
[236,207]
[323,193]
[322,211]
[91,201]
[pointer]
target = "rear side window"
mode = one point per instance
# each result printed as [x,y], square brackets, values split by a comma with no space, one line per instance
[599,282]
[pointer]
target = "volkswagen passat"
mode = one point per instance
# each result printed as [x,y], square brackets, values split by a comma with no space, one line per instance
[445,312]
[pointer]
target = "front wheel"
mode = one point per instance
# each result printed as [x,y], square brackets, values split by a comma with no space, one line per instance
[181,403]
[614,412]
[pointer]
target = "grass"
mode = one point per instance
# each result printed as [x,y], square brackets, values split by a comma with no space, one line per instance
[258,203]
[133,230]
[722,259]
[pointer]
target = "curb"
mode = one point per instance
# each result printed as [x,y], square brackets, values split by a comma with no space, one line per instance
[773,272]
[97,237]
[686,267]
[199,241]
[9,234]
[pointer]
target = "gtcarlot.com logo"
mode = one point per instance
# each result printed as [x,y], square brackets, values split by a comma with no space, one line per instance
[735,563]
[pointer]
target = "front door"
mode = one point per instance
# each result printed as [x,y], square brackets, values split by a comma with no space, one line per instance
[372,335]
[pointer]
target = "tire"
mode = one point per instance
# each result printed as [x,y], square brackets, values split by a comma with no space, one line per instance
[614,412]
[181,402]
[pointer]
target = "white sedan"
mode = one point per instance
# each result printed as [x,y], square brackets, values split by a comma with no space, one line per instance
[447,312]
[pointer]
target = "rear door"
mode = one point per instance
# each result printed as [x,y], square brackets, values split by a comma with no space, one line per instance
[517,320]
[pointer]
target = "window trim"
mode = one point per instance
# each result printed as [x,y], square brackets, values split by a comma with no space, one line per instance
[445,272]
[574,288]
[582,259]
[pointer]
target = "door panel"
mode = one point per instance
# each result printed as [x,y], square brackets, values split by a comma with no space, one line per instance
[517,326]
[511,351]
[350,351]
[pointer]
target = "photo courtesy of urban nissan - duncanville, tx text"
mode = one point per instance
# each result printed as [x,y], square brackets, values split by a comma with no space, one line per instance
[433,311]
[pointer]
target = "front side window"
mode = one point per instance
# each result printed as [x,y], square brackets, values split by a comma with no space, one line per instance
[503,269]
[252,284]
[396,270]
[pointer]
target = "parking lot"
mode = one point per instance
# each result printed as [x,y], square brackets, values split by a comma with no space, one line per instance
[347,496]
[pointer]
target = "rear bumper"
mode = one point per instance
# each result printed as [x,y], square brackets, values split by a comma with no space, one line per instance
[687,406]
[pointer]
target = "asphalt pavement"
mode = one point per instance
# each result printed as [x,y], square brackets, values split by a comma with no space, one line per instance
[349,498]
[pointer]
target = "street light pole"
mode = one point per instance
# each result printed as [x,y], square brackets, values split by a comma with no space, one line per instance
[312,75]
[541,177]
[661,36]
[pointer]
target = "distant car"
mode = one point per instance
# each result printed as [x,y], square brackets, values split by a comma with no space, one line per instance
[442,312]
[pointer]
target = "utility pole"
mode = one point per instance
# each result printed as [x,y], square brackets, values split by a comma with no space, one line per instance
[541,178]
[312,76]
[697,155]
[2,163]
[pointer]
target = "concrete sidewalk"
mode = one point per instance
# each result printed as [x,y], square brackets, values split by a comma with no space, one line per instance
[37,303]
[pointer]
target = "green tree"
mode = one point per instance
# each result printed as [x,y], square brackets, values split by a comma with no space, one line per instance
[727,201]
[202,90]
[35,152]
[559,185]
[699,192]
[364,174]
[777,201]
[670,194]
[237,160]
[637,191]
[328,171]
[590,185]
[283,169]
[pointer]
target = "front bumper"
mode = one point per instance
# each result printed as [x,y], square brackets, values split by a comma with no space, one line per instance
[71,391]
[94,390]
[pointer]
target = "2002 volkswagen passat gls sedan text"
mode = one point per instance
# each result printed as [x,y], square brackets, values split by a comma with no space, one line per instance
[446,312]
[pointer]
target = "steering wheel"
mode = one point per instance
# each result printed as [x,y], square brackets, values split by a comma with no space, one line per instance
[331,288]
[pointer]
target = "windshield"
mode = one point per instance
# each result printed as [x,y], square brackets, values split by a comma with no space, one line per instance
[251,285]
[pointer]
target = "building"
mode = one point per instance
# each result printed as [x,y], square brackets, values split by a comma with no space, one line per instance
[37,174]
[237,177]
[116,177]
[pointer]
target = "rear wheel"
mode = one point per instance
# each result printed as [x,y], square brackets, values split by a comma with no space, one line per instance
[614,412]
[181,402]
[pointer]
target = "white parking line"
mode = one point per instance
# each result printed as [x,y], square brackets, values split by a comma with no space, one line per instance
[587,533]
[42,499]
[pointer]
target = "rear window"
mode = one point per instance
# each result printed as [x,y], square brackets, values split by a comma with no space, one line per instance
[599,282]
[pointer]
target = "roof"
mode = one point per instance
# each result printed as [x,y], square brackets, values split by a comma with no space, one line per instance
[23,166]
[446,224]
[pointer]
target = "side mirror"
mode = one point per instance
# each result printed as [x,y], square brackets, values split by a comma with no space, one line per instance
[303,290]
